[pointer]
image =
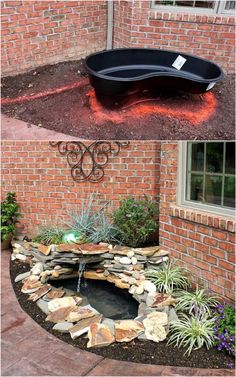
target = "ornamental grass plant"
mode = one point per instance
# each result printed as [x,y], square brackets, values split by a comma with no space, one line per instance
[168,277]
[192,332]
[195,302]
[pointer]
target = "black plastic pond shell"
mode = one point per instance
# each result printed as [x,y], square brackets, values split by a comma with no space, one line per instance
[119,72]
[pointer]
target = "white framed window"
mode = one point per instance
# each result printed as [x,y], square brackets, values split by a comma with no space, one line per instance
[206,176]
[210,7]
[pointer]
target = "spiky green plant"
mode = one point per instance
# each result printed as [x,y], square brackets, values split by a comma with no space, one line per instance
[50,235]
[92,223]
[83,219]
[168,277]
[195,302]
[192,332]
[103,230]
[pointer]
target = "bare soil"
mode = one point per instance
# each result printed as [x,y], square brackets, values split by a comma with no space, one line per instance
[77,112]
[146,352]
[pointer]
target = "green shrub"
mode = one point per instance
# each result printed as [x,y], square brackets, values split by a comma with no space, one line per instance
[136,220]
[50,235]
[195,302]
[10,213]
[191,332]
[168,277]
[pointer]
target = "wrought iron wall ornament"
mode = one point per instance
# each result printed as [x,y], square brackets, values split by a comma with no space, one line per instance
[87,162]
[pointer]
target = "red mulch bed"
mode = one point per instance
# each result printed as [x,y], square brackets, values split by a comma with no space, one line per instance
[77,112]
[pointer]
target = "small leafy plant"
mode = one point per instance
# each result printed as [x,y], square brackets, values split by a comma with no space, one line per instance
[10,213]
[168,277]
[136,220]
[50,235]
[192,332]
[195,302]
[224,328]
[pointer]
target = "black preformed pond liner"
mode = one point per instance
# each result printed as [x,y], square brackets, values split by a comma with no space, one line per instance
[120,72]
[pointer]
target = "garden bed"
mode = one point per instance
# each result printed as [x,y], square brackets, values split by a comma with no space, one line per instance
[137,351]
[77,112]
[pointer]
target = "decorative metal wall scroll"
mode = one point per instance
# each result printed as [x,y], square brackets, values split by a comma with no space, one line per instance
[87,161]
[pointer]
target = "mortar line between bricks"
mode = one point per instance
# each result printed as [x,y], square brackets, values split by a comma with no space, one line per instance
[94,366]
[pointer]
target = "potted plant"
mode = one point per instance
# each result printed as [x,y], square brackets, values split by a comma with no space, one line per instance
[10,213]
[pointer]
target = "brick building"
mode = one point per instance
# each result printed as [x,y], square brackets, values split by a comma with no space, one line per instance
[36,33]
[193,183]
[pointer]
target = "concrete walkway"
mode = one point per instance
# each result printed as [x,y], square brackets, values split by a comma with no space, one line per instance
[15,129]
[29,350]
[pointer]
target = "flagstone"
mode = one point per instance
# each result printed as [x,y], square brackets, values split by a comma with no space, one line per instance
[82,326]
[99,335]
[127,330]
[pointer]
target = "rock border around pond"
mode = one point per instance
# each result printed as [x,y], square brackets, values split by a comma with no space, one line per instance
[123,266]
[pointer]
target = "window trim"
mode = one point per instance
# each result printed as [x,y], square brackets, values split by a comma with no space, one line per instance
[182,187]
[219,9]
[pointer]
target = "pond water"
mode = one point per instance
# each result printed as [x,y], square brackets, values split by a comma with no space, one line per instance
[106,298]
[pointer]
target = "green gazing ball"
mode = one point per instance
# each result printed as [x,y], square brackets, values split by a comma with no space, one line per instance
[72,236]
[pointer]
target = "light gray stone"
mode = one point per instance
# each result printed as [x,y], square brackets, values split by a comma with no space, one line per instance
[37,269]
[63,327]
[125,260]
[43,305]
[22,276]
[21,257]
[172,315]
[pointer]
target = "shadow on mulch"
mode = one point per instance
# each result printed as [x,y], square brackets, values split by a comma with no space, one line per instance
[77,113]
[146,352]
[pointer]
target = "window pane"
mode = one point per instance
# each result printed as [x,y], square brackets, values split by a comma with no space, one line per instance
[230,5]
[196,187]
[187,3]
[229,192]
[230,158]
[197,163]
[213,189]
[214,157]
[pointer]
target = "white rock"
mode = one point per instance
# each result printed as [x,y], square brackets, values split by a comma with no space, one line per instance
[13,257]
[63,327]
[37,269]
[110,247]
[117,259]
[132,289]
[22,276]
[134,260]
[160,318]
[132,281]
[63,302]
[21,257]
[153,331]
[57,267]
[125,260]
[140,289]
[149,286]
[136,275]
[125,279]
[130,254]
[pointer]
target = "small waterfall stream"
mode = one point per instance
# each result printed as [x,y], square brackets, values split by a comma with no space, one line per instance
[81,269]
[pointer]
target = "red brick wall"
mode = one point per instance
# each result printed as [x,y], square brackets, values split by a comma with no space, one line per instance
[38,32]
[211,37]
[45,190]
[202,243]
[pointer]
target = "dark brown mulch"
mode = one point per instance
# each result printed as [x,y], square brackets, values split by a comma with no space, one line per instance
[72,113]
[145,352]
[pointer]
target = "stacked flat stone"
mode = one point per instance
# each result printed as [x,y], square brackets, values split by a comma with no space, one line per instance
[71,313]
